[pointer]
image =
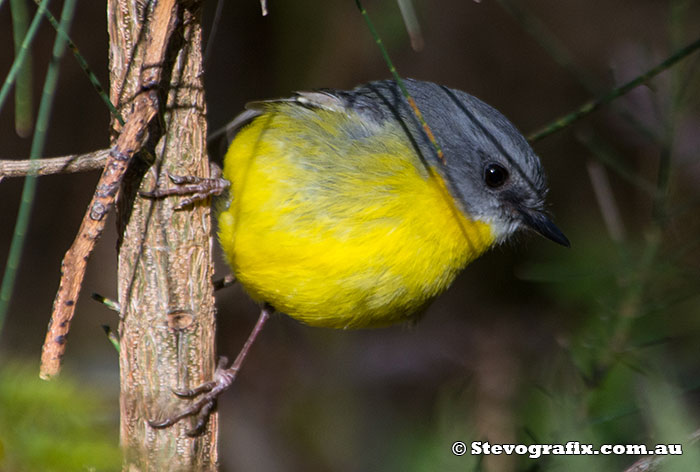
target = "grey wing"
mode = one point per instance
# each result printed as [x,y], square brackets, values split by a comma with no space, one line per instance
[231,128]
[319,99]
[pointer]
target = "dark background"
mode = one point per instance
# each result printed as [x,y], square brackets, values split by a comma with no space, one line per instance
[528,317]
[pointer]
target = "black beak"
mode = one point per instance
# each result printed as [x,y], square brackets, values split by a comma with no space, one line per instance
[540,222]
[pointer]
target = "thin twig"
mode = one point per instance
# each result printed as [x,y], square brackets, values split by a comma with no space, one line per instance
[608,157]
[557,50]
[108,302]
[654,463]
[606,200]
[23,52]
[23,85]
[410,19]
[112,337]
[14,255]
[227,281]
[593,105]
[130,141]
[83,65]
[54,165]
[399,81]
[213,30]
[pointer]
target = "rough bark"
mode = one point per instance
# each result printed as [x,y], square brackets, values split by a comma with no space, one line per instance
[165,269]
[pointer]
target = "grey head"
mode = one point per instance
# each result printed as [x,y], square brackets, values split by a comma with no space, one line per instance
[488,165]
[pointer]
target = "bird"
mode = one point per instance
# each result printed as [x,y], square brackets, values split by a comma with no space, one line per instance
[346,210]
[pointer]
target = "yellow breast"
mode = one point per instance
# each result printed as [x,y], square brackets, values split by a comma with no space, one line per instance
[337,222]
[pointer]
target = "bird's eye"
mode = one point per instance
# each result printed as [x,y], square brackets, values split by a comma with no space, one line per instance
[495,175]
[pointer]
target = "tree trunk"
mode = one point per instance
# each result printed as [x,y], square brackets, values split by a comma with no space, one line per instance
[165,267]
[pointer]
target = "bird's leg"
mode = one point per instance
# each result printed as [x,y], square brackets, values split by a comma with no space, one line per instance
[208,392]
[198,188]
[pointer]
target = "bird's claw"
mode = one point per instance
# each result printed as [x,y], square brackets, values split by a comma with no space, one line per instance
[197,189]
[206,394]
[194,392]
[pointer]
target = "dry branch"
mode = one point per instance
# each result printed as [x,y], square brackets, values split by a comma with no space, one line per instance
[54,165]
[130,141]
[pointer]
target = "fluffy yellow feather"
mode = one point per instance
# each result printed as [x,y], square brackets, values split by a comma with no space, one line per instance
[339,232]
